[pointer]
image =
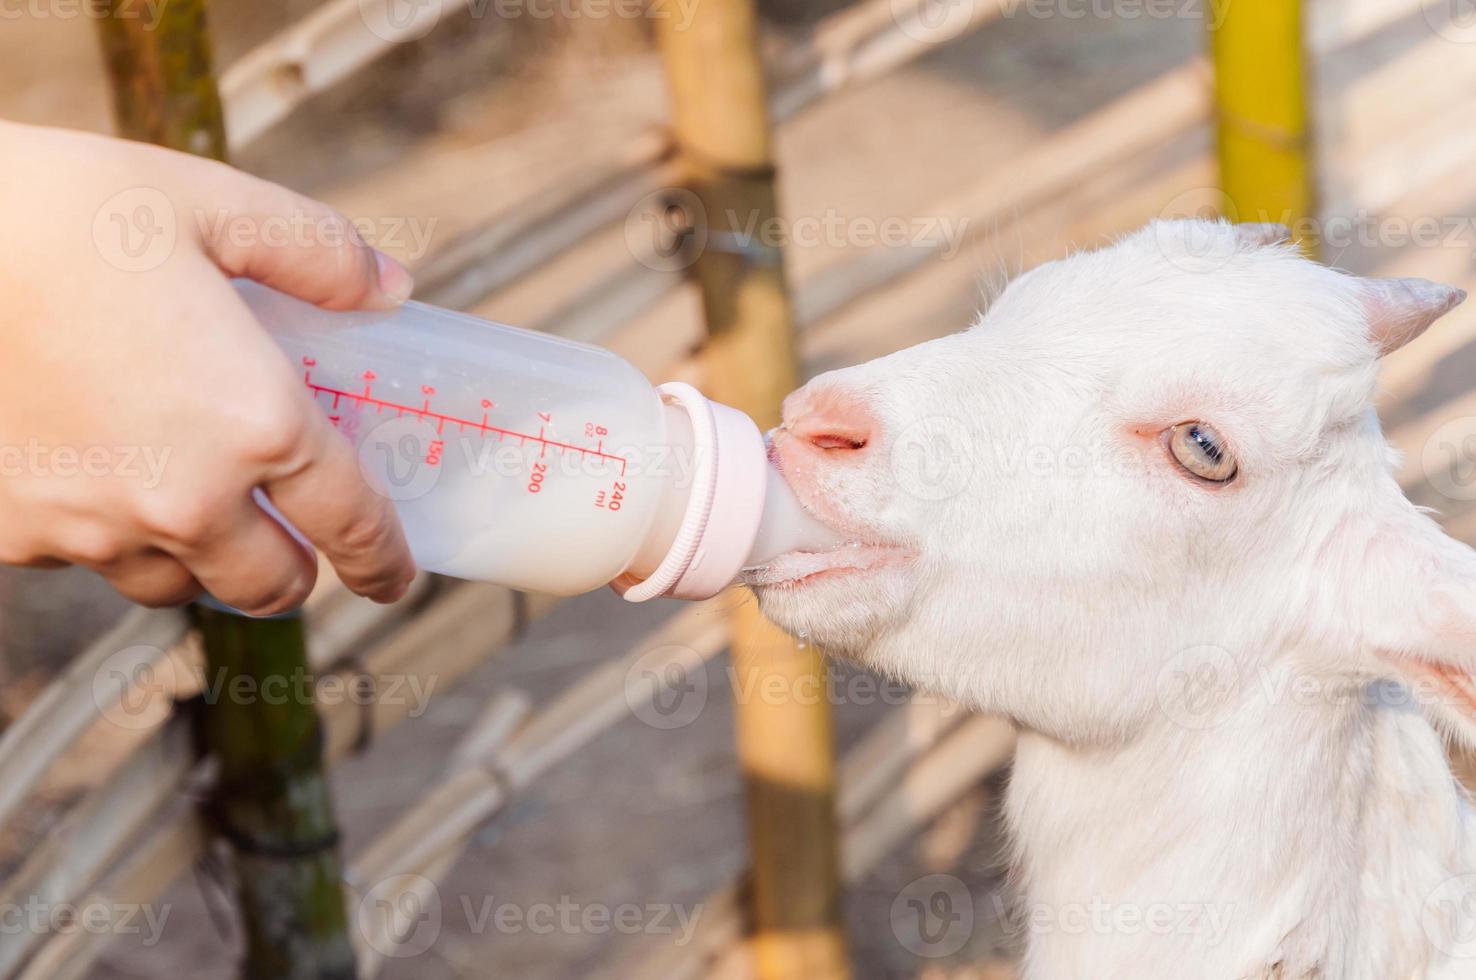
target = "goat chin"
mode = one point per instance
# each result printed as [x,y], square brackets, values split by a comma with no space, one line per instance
[1144,509]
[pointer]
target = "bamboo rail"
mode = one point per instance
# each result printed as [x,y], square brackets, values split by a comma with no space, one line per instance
[430,835]
[848,48]
[1130,125]
[144,874]
[175,840]
[68,706]
[380,927]
[720,120]
[930,752]
[328,45]
[96,831]
[454,633]
[1263,119]
[1115,135]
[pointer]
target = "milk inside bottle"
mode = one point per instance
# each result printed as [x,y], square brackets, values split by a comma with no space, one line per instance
[536,462]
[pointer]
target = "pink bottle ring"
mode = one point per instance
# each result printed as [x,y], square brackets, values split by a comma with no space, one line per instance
[723,509]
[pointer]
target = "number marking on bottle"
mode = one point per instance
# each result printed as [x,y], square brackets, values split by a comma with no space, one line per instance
[425,413]
[612,500]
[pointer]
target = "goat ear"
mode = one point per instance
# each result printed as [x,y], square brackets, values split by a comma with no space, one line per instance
[1419,609]
[1399,310]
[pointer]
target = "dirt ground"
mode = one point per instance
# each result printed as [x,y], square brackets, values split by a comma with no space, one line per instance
[486,114]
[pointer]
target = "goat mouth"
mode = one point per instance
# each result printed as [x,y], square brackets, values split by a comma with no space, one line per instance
[797,568]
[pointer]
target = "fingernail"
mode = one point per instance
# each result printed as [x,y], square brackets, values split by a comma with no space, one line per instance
[395,282]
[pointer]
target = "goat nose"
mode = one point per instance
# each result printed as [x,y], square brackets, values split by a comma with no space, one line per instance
[829,420]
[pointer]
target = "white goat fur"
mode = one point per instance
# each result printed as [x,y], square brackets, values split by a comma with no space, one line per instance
[1300,804]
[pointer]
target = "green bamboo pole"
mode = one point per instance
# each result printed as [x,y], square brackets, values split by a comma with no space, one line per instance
[785,745]
[271,803]
[159,60]
[1263,115]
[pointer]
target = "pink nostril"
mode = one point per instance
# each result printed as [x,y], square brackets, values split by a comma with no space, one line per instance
[829,420]
[833,441]
[825,439]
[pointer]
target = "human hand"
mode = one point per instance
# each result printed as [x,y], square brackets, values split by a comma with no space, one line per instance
[141,404]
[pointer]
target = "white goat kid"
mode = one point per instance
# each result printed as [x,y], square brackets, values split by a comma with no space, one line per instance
[1144,509]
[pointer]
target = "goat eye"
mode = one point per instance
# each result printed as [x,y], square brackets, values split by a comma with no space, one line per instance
[1198,448]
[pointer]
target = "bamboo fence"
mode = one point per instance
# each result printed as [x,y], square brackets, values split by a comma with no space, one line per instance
[129,837]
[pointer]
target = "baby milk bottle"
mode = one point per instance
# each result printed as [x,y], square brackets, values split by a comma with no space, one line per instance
[525,459]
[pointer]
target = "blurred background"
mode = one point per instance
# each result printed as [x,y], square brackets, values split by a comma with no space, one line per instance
[1002,135]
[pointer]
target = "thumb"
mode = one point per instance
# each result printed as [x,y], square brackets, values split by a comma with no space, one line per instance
[262,231]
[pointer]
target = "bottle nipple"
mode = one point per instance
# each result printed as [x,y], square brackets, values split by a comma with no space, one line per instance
[740,511]
[786,526]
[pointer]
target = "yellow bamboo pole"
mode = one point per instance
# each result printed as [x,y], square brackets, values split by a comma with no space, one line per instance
[1263,116]
[785,743]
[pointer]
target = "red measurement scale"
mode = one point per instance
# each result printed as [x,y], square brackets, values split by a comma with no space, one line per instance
[425,413]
